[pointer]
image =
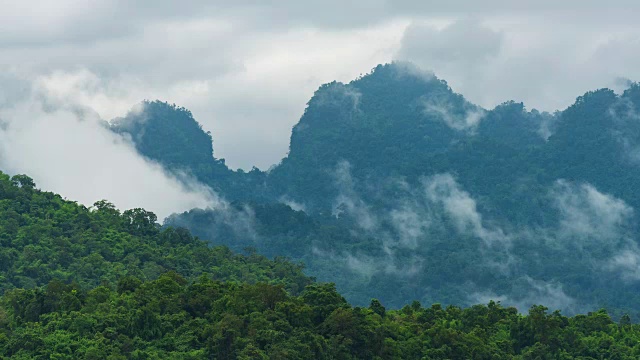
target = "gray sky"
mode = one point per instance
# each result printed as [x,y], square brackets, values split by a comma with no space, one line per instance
[247,68]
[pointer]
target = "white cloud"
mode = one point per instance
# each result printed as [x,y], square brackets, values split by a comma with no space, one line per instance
[597,225]
[492,58]
[627,263]
[247,68]
[68,150]
[587,213]
[625,121]
[348,201]
[410,222]
[294,205]
[247,86]
[531,292]
[445,111]
[461,207]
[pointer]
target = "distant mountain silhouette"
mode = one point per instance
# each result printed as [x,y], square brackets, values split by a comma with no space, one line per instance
[410,191]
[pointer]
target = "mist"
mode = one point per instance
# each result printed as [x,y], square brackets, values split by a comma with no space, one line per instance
[68,149]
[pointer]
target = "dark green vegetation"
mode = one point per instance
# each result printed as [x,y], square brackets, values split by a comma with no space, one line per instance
[171,318]
[186,147]
[43,237]
[95,283]
[411,192]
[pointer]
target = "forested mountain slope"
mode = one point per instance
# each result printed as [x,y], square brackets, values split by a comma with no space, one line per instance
[95,283]
[44,237]
[168,134]
[411,192]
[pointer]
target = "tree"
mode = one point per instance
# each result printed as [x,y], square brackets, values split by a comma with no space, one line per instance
[140,221]
[377,307]
[23,181]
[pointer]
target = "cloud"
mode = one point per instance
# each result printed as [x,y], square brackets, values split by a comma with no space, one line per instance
[442,189]
[511,55]
[367,266]
[547,125]
[626,122]
[533,292]
[462,44]
[626,262]
[595,224]
[411,212]
[245,80]
[294,205]
[410,223]
[336,94]
[445,111]
[413,220]
[349,202]
[246,68]
[69,150]
[587,213]
[599,226]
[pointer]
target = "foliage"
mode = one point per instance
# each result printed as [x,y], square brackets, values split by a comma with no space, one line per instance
[172,318]
[43,237]
[168,133]
[81,283]
[357,165]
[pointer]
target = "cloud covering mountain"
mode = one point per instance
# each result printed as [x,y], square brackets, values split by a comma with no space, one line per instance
[246,68]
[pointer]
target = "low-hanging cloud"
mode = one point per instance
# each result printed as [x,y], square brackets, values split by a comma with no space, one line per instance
[625,119]
[626,262]
[585,212]
[417,217]
[293,204]
[458,204]
[412,213]
[348,201]
[410,223]
[413,220]
[468,119]
[598,225]
[68,149]
[366,266]
[339,95]
[537,292]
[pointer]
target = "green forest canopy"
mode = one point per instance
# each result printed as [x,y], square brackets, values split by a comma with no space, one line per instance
[95,283]
[378,165]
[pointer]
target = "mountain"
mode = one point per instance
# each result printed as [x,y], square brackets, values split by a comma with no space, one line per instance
[168,134]
[97,283]
[394,122]
[45,238]
[403,189]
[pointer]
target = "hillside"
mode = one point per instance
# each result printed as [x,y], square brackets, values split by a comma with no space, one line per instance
[409,191]
[97,283]
[44,237]
[170,135]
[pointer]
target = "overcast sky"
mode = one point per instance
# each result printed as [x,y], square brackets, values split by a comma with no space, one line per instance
[247,68]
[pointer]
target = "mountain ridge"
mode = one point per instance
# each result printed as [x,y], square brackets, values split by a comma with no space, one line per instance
[404,182]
